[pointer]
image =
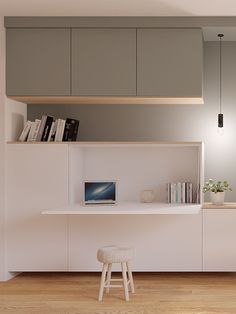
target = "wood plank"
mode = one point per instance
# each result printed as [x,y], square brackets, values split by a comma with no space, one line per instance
[159,293]
[108,100]
[112,143]
[228,205]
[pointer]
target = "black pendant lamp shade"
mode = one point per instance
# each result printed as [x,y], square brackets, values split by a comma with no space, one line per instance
[220,115]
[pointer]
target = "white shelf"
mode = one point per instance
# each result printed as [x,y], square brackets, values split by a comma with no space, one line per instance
[127,208]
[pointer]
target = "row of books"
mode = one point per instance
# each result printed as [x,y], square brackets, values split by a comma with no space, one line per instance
[180,193]
[48,129]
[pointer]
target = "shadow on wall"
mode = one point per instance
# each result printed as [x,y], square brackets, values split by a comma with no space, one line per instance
[17,125]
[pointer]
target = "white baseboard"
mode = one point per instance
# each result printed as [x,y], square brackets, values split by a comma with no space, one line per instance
[5,276]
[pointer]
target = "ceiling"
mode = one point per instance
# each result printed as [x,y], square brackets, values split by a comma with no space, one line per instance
[118,7]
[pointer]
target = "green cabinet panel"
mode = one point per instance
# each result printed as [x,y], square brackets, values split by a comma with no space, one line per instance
[169,62]
[38,62]
[104,62]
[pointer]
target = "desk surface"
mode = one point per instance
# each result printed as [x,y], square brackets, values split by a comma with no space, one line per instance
[126,208]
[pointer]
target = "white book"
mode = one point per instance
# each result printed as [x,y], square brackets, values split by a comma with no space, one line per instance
[60,130]
[41,128]
[178,191]
[183,192]
[25,132]
[31,132]
[173,193]
[190,192]
[63,123]
[58,127]
[34,130]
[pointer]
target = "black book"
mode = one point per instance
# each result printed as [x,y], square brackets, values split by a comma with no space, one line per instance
[75,131]
[70,129]
[47,128]
[41,128]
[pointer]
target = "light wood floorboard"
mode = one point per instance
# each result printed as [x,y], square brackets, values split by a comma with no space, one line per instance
[156,293]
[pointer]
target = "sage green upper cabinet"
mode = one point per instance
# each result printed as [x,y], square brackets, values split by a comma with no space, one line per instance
[38,61]
[169,62]
[104,62]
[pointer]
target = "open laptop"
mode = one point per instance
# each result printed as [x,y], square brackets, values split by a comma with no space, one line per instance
[99,192]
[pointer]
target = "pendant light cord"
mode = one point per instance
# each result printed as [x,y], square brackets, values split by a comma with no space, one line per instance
[220,73]
[220,115]
[220,36]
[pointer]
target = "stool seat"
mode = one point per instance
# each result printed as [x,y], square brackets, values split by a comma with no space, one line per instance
[115,254]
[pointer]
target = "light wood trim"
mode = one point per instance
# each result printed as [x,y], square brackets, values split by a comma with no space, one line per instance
[112,143]
[107,100]
[229,205]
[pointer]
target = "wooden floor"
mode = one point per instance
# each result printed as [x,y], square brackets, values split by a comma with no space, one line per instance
[164,293]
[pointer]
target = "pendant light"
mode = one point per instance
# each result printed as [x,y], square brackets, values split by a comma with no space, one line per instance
[220,115]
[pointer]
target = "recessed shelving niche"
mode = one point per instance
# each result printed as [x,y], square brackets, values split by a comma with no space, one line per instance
[135,166]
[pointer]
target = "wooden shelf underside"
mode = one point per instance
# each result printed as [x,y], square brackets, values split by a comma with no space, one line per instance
[115,143]
[107,100]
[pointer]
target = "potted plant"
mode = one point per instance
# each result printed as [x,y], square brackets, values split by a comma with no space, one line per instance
[217,190]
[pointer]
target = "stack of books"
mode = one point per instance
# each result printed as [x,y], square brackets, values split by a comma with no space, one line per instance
[49,129]
[180,193]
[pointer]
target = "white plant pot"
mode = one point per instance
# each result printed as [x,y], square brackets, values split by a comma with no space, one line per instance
[217,198]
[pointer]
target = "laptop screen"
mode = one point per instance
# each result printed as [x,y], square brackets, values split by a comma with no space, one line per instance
[99,192]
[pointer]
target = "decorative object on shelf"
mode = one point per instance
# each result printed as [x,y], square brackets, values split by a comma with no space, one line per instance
[147,196]
[220,115]
[217,190]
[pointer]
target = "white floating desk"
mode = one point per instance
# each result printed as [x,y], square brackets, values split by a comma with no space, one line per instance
[127,208]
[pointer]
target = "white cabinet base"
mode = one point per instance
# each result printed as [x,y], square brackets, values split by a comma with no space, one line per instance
[219,239]
[162,242]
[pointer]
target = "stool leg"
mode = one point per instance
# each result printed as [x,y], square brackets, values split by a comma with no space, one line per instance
[130,276]
[102,283]
[125,283]
[108,281]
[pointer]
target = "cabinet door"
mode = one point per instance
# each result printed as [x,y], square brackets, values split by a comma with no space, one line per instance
[169,62]
[161,242]
[219,240]
[104,62]
[37,179]
[38,62]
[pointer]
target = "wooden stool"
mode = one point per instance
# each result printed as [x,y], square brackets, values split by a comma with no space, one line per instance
[115,254]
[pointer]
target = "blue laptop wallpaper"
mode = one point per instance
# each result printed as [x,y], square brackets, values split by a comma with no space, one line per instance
[100,192]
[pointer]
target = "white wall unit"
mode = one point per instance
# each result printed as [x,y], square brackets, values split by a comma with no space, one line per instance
[135,167]
[162,242]
[219,239]
[37,178]
[43,177]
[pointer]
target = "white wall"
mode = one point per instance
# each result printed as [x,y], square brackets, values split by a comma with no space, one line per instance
[2,150]
[171,122]
[12,117]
